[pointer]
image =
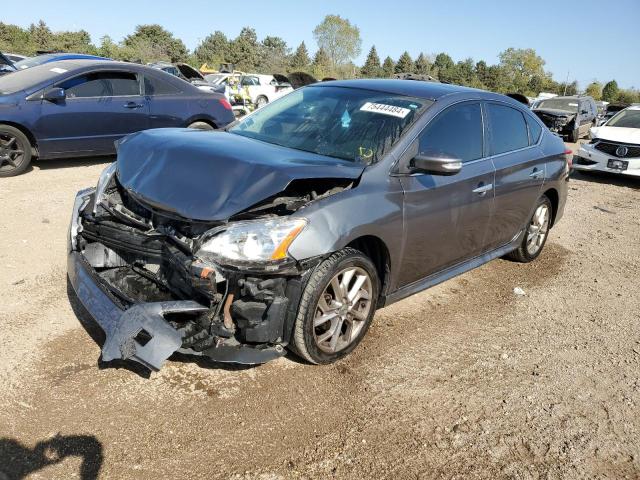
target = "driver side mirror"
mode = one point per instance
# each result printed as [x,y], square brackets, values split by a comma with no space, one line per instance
[55,94]
[436,163]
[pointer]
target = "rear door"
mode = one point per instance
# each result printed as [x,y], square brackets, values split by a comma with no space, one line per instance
[520,168]
[100,107]
[447,218]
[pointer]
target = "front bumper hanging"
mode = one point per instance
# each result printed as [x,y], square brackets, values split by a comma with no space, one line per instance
[140,332]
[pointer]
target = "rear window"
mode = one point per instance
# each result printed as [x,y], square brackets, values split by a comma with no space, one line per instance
[154,86]
[508,129]
[535,130]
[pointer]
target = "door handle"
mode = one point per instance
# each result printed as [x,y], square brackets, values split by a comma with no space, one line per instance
[483,189]
[133,105]
[536,174]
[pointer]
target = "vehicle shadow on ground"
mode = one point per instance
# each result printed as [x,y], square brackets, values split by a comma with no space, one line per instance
[70,163]
[607,178]
[18,461]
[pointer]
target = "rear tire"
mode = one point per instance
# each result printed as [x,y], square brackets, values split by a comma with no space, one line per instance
[201,126]
[535,237]
[15,151]
[347,314]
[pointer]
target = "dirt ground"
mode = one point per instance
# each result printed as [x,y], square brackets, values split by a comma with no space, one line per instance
[466,380]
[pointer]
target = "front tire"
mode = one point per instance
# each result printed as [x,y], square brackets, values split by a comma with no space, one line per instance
[261,101]
[537,232]
[337,306]
[15,151]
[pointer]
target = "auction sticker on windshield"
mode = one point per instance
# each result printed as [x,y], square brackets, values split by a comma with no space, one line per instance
[385,109]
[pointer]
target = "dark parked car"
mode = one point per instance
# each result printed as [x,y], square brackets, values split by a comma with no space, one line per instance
[569,116]
[291,228]
[77,108]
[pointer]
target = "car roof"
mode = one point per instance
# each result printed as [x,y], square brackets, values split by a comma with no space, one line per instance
[412,88]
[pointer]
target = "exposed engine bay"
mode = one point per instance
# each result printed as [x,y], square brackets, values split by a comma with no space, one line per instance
[559,122]
[171,297]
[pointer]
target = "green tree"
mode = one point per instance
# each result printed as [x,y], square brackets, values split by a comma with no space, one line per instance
[78,42]
[108,48]
[610,91]
[520,66]
[594,89]
[321,64]
[41,36]
[422,65]
[443,61]
[213,50]
[405,64]
[339,39]
[388,67]
[15,39]
[152,40]
[300,59]
[274,57]
[244,51]
[371,67]
[627,96]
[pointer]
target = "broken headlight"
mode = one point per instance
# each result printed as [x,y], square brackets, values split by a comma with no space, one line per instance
[103,183]
[264,241]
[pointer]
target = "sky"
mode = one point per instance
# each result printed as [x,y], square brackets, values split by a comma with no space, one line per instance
[581,44]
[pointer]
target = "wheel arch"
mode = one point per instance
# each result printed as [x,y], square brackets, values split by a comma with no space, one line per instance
[26,132]
[553,195]
[377,251]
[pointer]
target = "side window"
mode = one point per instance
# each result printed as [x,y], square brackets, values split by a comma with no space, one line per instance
[535,130]
[508,129]
[155,86]
[102,84]
[457,131]
[249,81]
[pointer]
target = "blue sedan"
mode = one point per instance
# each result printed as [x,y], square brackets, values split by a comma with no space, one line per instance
[78,108]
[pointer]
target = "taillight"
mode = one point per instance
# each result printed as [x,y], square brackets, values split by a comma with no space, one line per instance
[225,103]
[568,156]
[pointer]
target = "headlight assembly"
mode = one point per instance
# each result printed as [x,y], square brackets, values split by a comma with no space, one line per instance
[103,183]
[265,241]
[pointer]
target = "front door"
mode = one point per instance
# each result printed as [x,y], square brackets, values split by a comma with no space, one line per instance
[446,218]
[100,107]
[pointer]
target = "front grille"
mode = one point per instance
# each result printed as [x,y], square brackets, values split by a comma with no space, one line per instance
[611,148]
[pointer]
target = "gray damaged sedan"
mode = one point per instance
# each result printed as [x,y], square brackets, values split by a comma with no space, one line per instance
[289,229]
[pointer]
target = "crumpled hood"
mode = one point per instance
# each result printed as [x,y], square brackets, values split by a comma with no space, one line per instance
[212,176]
[617,134]
[554,113]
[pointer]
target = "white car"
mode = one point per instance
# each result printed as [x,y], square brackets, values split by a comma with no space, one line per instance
[615,146]
[264,88]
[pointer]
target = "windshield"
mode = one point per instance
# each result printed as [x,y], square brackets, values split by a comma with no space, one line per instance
[629,118]
[32,62]
[346,123]
[567,104]
[25,79]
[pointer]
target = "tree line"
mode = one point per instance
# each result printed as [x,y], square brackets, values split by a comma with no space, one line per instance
[339,43]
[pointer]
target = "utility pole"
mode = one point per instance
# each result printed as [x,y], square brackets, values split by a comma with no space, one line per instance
[566,84]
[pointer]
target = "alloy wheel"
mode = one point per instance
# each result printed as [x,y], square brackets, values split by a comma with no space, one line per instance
[538,229]
[11,152]
[342,309]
